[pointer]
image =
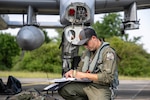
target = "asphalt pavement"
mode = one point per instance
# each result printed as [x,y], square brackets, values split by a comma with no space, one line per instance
[127,90]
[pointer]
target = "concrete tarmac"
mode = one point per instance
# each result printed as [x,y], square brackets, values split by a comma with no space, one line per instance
[127,90]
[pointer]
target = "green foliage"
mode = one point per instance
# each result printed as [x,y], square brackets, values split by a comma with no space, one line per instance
[60,33]
[8,50]
[46,58]
[110,26]
[47,39]
[134,59]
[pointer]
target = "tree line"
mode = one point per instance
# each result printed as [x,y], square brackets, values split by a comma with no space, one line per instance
[134,60]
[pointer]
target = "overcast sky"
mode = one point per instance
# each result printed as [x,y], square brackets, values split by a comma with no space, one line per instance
[144,28]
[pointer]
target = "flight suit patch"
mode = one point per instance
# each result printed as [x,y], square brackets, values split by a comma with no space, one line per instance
[109,56]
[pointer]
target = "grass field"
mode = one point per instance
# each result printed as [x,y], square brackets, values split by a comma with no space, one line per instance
[22,74]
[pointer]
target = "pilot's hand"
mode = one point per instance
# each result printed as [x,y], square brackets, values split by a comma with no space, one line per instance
[69,74]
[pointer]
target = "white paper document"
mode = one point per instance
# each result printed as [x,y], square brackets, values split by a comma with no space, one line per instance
[62,80]
[51,86]
[58,83]
[70,79]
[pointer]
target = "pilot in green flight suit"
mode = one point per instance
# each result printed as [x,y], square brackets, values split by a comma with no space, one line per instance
[98,64]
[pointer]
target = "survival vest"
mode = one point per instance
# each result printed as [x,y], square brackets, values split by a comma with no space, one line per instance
[92,66]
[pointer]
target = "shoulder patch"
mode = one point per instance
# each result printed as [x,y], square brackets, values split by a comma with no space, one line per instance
[110,56]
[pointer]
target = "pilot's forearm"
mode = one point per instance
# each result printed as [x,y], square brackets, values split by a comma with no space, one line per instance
[91,76]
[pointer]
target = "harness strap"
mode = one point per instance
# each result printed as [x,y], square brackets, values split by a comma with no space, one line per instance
[87,66]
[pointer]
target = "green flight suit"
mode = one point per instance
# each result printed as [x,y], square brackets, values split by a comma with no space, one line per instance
[98,90]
